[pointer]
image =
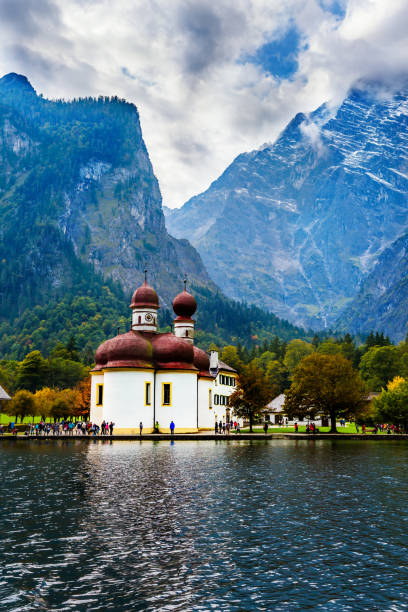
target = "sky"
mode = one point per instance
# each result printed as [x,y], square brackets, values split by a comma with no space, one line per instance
[210,79]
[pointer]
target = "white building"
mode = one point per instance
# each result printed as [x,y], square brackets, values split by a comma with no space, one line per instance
[275,414]
[143,376]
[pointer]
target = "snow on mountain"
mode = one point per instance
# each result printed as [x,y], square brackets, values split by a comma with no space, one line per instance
[298,225]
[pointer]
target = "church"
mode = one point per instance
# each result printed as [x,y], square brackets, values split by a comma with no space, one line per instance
[143,376]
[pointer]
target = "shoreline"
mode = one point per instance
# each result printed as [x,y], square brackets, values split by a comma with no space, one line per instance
[208,436]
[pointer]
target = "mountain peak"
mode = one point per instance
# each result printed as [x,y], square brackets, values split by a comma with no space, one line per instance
[16,82]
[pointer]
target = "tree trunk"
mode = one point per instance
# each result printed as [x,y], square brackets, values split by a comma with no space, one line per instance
[250,422]
[333,428]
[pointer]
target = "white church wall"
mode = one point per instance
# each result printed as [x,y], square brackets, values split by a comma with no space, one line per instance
[183,407]
[206,418]
[124,400]
[96,411]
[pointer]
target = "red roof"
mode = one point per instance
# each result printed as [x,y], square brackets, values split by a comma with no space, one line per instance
[184,305]
[145,296]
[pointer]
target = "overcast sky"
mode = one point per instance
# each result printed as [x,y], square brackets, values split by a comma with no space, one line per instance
[211,79]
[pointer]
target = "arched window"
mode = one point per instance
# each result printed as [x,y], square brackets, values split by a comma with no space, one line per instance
[140,319]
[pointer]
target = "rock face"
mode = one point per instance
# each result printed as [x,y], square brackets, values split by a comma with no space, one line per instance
[298,226]
[382,301]
[77,185]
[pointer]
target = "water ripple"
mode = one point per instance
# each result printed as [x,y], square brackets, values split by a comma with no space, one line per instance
[234,526]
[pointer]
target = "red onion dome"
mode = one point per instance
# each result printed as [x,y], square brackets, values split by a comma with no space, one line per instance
[145,296]
[201,360]
[129,350]
[101,355]
[184,305]
[173,353]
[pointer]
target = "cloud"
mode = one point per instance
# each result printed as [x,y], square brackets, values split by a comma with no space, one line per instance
[311,131]
[210,80]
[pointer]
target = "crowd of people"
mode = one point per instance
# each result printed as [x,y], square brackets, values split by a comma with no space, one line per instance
[225,428]
[62,428]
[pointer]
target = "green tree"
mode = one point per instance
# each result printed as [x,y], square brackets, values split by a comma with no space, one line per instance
[229,355]
[21,405]
[392,406]
[379,365]
[328,347]
[64,373]
[32,372]
[295,352]
[325,384]
[252,394]
[277,376]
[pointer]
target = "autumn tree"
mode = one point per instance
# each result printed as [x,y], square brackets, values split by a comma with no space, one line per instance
[392,404]
[21,405]
[44,400]
[83,401]
[65,403]
[252,394]
[325,384]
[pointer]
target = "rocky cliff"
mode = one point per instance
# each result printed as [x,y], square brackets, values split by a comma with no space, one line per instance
[76,183]
[298,225]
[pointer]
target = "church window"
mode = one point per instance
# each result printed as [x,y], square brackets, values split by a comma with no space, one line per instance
[148,400]
[166,394]
[186,333]
[99,395]
[140,320]
[216,399]
[209,399]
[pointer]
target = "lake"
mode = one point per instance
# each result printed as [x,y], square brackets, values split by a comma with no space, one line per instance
[204,525]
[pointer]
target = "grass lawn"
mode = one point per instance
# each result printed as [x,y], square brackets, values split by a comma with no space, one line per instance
[348,429]
[5,419]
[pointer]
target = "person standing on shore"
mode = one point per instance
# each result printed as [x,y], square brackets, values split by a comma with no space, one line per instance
[265,427]
[140,428]
[357,427]
[216,427]
[111,428]
[156,427]
[363,428]
[296,427]
[172,426]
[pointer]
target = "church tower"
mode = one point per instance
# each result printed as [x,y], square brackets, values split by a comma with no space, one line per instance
[144,305]
[184,305]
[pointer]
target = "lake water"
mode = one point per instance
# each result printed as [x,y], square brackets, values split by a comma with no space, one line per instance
[268,525]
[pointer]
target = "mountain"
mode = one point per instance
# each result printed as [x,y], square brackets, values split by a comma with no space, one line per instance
[382,301]
[80,217]
[77,174]
[298,225]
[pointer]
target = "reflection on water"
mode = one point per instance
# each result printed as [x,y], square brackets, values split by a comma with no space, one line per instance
[236,525]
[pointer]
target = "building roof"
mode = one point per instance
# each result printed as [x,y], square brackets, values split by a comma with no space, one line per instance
[184,305]
[145,296]
[3,394]
[276,405]
[225,367]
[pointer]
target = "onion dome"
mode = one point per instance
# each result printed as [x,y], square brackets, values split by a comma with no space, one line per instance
[145,296]
[101,355]
[201,361]
[129,350]
[171,352]
[184,305]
